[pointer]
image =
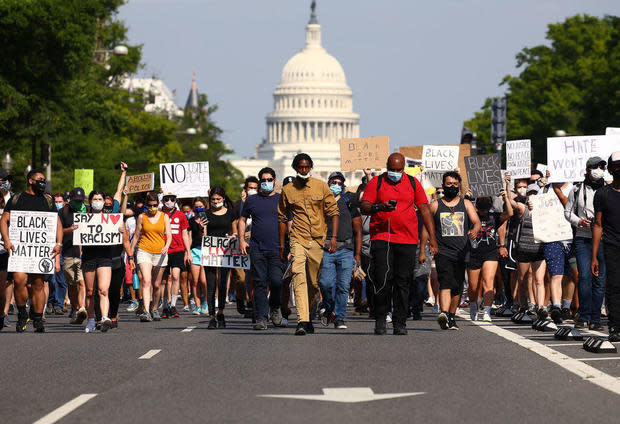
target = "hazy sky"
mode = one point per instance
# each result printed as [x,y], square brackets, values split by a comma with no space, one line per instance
[417,69]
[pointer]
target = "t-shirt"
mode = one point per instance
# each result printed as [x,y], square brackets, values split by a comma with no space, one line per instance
[345,224]
[263,210]
[30,202]
[66,219]
[196,232]
[403,222]
[220,225]
[487,239]
[178,224]
[611,217]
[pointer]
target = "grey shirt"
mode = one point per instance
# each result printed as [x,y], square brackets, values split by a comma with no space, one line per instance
[585,209]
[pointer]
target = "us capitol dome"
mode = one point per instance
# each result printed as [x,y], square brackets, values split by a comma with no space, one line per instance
[313,109]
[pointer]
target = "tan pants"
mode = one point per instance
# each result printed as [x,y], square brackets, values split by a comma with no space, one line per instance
[307,261]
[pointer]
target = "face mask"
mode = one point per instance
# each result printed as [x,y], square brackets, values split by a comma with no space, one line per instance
[198,210]
[169,204]
[450,192]
[97,205]
[336,189]
[59,206]
[5,186]
[303,177]
[522,191]
[395,176]
[188,215]
[217,205]
[77,206]
[616,174]
[252,192]
[267,186]
[597,174]
[39,187]
[152,210]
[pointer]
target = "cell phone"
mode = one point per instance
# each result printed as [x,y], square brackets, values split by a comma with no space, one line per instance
[203,217]
[393,202]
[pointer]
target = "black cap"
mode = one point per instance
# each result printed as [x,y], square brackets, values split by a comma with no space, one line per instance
[336,174]
[77,194]
[4,175]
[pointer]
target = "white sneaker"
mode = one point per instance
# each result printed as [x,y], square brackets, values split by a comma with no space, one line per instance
[435,309]
[90,327]
[186,308]
[430,301]
[485,317]
[388,318]
[284,322]
[473,310]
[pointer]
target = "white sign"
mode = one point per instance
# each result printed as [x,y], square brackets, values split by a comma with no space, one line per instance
[567,156]
[542,168]
[548,221]
[33,234]
[437,160]
[612,131]
[223,252]
[97,229]
[185,179]
[518,158]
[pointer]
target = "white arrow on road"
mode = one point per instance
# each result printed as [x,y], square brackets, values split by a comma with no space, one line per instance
[347,395]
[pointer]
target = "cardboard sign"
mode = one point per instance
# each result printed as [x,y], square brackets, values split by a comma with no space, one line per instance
[84,178]
[567,156]
[484,174]
[366,152]
[416,152]
[412,170]
[412,163]
[140,183]
[186,179]
[437,160]
[518,158]
[612,131]
[34,236]
[223,252]
[97,229]
[548,221]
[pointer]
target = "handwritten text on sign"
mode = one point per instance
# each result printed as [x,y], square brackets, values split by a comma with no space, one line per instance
[140,183]
[33,235]
[518,158]
[185,179]
[484,174]
[567,156]
[366,152]
[437,160]
[223,252]
[97,229]
[548,221]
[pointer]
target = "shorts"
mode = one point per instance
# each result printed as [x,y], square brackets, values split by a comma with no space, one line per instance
[91,264]
[176,260]
[4,261]
[155,259]
[557,255]
[196,256]
[477,259]
[451,274]
[529,257]
[72,270]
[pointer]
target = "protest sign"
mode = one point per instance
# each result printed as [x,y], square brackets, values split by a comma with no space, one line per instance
[185,179]
[84,178]
[140,183]
[548,221]
[223,252]
[416,152]
[612,131]
[33,234]
[567,156]
[518,158]
[412,170]
[512,181]
[365,152]
[412,163]
[542,168]
[484,174]
[97,229]
[437,160]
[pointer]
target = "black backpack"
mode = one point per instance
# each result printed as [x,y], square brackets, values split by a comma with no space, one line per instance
[411,180]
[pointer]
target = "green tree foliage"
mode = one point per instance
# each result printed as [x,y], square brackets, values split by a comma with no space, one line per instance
[571,84]
[56,88]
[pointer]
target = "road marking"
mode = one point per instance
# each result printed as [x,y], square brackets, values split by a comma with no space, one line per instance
[150,354]
[600,359]
[564,344]
[346,395]
[585,371]
[188,329]
[65,409]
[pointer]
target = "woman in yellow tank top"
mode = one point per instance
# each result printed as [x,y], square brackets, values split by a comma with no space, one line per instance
[153,237]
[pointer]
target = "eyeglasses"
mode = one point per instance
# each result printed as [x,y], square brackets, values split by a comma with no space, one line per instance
[340,183]
[266,180]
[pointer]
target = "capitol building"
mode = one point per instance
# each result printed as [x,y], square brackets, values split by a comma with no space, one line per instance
[313,109]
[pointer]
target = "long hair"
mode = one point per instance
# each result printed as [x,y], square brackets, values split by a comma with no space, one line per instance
[220,192]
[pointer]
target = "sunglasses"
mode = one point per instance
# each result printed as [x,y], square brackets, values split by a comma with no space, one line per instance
[340,183]
[266,180]
[167,198]
[599,166]
[152,205]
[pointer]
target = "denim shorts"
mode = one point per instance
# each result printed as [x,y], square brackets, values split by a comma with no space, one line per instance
[196,252]
[557,258]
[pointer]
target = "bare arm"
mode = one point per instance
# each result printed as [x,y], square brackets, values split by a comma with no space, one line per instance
[121,182]
[429,225]
[4,230]
[473,218]
[423,241]
[597,234]
[357,231]
[137,234]
[557,189]
[168,235]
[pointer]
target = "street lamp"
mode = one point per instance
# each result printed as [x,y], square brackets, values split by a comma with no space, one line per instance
[203,146]
[119,50]
[7,162]
[560,133]
[190,131]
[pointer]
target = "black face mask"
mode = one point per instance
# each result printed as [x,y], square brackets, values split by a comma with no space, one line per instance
[616,174]
[39,187]
[450,192]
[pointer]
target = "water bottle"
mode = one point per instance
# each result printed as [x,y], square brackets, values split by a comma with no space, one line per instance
[136,281]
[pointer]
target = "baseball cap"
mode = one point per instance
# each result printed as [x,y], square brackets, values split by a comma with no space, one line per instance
[533,187]
[594,161]
[169,194]
[336,174]
[77,194]
[4,175]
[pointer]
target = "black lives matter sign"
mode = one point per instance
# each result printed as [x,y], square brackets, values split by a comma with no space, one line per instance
[223,252]
[484,175]
[33,235]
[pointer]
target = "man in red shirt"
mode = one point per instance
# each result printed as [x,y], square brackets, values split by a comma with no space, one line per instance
[178,253]
[391,200]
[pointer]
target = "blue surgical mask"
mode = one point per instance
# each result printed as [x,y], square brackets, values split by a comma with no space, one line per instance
[198,210]
[59,206]
[336,189]
[266,186]
[395,176]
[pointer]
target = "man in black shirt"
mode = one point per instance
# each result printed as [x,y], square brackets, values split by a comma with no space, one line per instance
[33,199]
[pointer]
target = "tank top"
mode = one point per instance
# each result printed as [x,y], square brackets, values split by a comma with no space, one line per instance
[452,224]
[153,237]
[526,242]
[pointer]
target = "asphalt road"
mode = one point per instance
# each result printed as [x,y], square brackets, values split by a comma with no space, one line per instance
[481,373]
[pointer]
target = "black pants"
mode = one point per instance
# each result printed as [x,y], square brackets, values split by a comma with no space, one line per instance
[266,270]
[216,276]
[391,269]
[418,292]
[370,290]
[612,288]
[505,274]
[114,293]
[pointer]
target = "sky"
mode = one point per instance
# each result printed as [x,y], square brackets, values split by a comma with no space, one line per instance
[418,68]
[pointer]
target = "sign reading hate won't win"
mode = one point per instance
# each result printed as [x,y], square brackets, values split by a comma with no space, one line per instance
[567,156]
[33,235]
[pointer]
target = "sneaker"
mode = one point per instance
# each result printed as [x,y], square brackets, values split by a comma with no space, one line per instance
[174,313]
[595,326]
[114,324]
[614,334]
[155,315]
[380,327]
[165,314]
[310,327]
[579,323]
[388,318]
[276,317]
[435,309]
[284,322]
[221,321]
[196,311]
[301,329]
[556,315]
[106,324]
[565,314]
[484,316]
[186,308]
[542,313]
[81,316]
[90,326]
[260,325]
[212,324]
[442,320]
[133,306]
[146,317]
[22,322]
[58,311]
[38,326]
[160,303]
[400,331]
[326,317]
[49,309]
[340,325]
[241,306]
[5,321]
[452,325]
[205,309]
[473,310]
[416,315]
[430,301]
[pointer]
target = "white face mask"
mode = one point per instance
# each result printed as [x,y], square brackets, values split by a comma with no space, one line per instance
[597,174]
[303,177]
[97,205]
[218,205]
[169,204]
[522,191]
[252,192]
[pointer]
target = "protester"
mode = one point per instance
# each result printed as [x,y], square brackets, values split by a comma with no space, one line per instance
[198,228]
[5,195]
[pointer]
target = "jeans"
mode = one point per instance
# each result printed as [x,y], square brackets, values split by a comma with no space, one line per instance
[58,288]
[267,270]
[591,289]
[336,277]
[391,269]
[613,285]
[418,292]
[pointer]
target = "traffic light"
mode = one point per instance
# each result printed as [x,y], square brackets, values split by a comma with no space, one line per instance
[498,121]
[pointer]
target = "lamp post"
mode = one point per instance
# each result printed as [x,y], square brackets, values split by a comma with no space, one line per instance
[7,162]
[101,55]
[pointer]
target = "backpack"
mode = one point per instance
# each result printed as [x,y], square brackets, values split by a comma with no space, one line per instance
[411,180]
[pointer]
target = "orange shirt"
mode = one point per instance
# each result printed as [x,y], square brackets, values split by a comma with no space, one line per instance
[153,237]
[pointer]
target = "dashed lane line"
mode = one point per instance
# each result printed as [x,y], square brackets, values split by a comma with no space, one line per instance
[188,329]
[65,409]
[150,354]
